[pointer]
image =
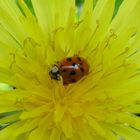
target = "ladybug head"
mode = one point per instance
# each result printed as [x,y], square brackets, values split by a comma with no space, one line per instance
[55,73]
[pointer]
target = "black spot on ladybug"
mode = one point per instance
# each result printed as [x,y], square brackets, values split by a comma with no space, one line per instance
[72,80]
[64,70]
[72,73]
[79,59]
[82,69]
[69,59]
[74,64]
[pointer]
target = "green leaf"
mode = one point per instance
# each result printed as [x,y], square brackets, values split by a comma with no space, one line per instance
[117,5]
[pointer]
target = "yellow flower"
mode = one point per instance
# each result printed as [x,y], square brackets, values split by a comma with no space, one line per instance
[100,106]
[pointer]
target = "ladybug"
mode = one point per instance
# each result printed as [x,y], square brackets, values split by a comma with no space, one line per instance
[72,69]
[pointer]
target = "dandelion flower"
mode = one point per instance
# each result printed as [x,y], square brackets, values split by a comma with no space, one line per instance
[103,104]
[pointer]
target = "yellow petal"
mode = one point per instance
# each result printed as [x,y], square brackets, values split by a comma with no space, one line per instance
[95,125]
[59,112]
[67,126]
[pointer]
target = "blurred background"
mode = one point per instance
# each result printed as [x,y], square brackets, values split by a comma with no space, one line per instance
[79,4]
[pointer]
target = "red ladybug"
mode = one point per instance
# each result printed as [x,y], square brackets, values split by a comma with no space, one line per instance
[72,69]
